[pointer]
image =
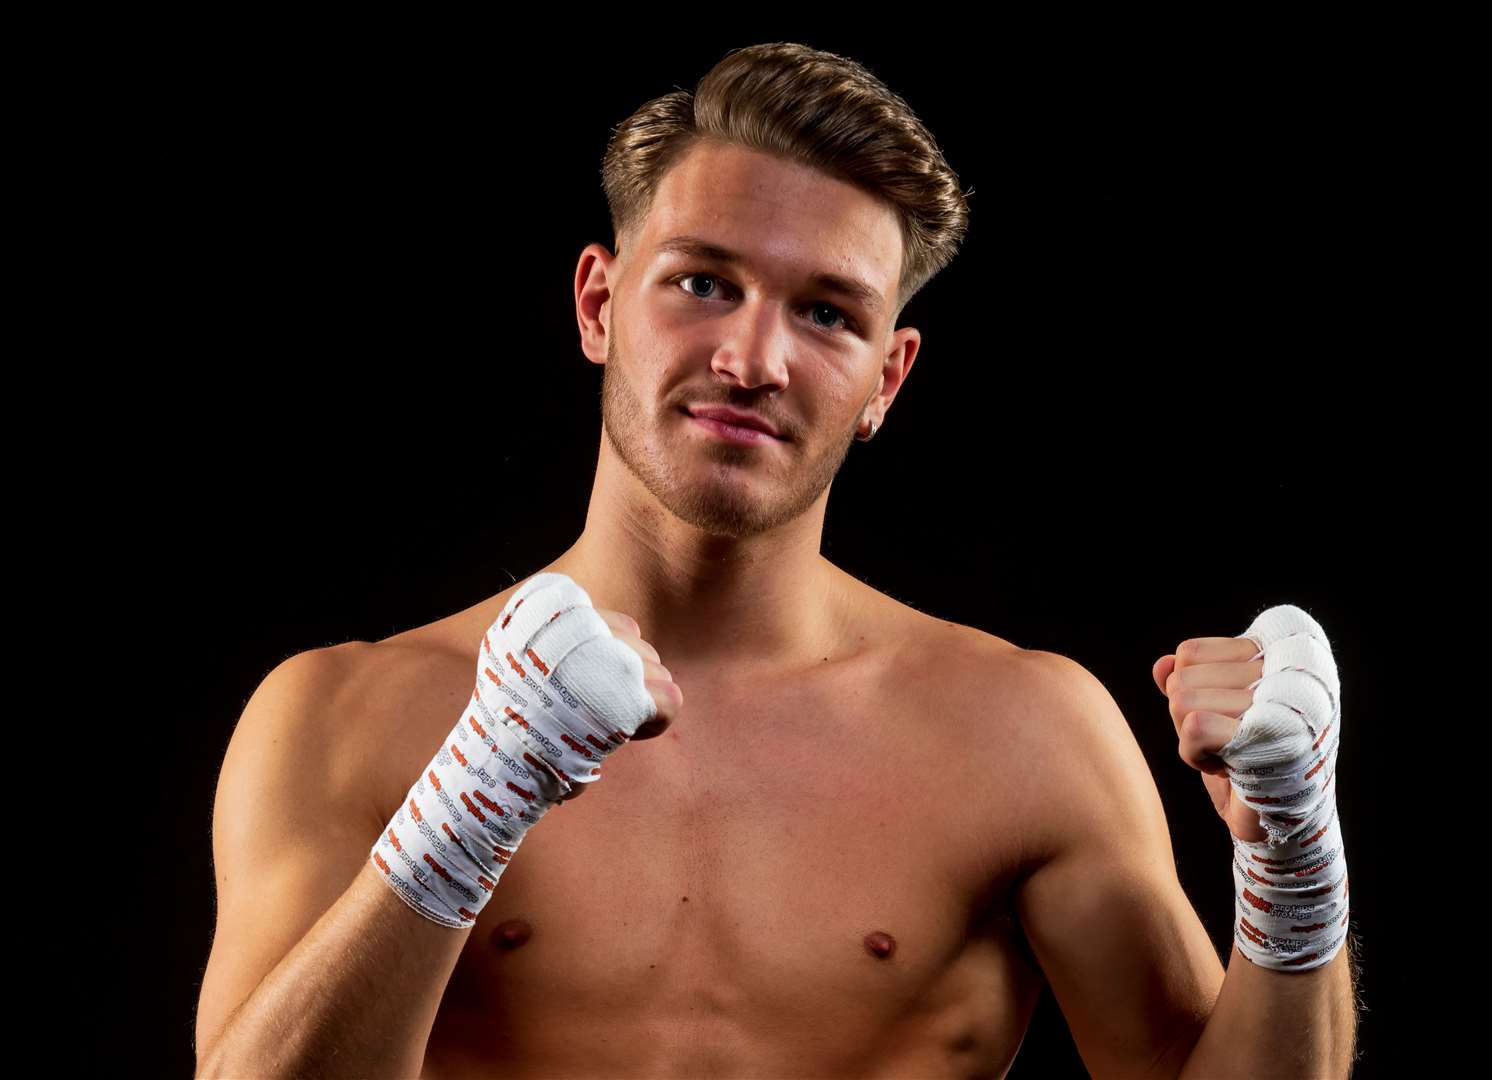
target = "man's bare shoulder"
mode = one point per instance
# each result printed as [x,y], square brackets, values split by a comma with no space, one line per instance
[1050,692]
[1080,750]
[969,677]
[1006,707]
[984,664]
[383,667]
[378,694]
[967,655]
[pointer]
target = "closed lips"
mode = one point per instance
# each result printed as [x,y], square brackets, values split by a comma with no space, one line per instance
[732,416]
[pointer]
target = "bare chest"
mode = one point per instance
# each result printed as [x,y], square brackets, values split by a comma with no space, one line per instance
[799,876]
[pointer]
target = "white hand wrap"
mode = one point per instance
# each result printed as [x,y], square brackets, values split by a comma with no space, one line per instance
[556,693]
[1291,889]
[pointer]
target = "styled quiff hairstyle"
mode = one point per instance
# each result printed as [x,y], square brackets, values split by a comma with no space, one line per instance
[807,106]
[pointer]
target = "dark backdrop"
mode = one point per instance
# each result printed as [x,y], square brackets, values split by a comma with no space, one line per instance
[1146,405]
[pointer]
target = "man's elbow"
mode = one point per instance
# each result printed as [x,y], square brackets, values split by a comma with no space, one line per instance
[1170,1061]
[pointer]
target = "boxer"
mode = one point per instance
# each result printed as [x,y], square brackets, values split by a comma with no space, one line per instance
[854,839]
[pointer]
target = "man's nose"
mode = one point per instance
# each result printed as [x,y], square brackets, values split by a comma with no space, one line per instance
[755,344]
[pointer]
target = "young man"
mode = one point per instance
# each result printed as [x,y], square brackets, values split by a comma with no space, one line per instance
[856,839]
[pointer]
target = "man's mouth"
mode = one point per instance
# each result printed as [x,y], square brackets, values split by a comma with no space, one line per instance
[738,434]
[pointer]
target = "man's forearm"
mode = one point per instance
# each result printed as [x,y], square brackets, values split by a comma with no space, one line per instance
[1285,1024]
[357,996]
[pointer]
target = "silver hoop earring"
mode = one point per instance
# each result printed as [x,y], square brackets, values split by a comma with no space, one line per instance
[867,438]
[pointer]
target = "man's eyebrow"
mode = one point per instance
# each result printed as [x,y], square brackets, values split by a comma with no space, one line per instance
[700,248]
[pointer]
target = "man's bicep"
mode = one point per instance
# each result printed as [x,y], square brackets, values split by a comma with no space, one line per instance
[1129,962]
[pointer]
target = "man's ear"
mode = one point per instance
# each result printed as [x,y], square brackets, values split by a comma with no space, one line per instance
[596,277]
[905,344]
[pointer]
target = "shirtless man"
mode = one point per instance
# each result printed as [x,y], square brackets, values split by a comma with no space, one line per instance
[854,840]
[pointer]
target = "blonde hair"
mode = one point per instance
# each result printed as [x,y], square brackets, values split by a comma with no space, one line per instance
[807,106]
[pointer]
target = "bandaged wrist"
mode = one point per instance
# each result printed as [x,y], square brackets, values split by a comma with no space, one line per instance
[555,694]
[1290,890]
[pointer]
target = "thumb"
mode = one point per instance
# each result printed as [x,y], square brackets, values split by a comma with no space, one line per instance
[1162,669]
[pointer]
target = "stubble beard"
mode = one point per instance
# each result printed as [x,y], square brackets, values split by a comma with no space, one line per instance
[707,493]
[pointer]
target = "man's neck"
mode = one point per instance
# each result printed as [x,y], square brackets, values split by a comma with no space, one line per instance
[731,605]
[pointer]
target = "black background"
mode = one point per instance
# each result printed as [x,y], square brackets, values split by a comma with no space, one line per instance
[1148,404]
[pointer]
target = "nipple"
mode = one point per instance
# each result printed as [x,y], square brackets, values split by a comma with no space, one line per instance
[880,944]
[511,934]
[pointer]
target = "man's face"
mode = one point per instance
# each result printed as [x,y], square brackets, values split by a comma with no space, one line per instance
[758,335]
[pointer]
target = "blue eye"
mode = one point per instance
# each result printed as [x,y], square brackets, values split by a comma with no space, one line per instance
[707,277]
[839,314]
[844,321]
